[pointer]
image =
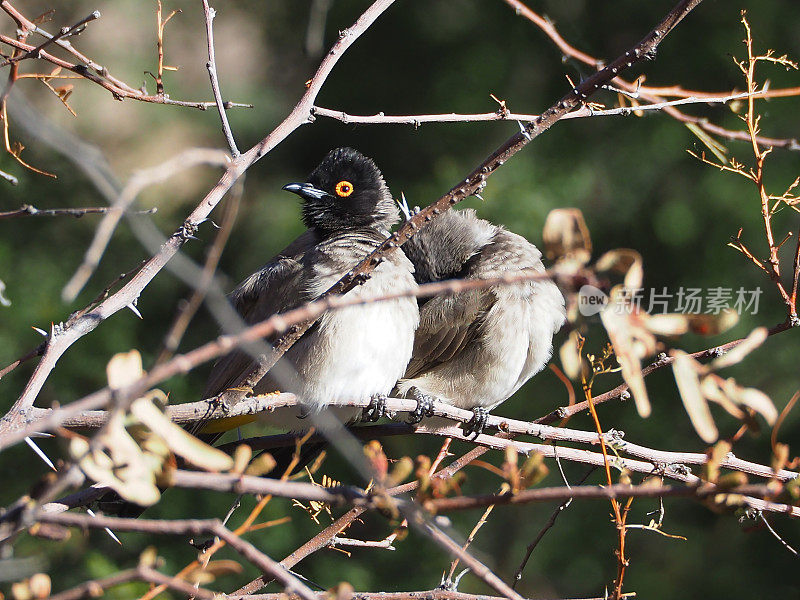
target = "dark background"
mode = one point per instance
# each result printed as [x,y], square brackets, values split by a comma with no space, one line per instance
[631,177]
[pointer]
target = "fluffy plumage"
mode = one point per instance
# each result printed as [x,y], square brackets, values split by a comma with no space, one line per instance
[475,349]
[351,353]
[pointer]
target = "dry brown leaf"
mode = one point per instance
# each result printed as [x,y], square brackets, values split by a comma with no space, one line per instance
[753,399]
[713,324]
[686,376]
[566,235]
[180,441]
[740,351]
[628,354]
[205,574]
[626,262]
[571,360]
[123,369]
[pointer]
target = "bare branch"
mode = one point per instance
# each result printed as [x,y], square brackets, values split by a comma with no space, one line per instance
[64,32]
[581,112]
[211,65]
[186,527]
[26,210]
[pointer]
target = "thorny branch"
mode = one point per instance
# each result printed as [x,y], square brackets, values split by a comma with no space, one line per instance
[27,210]
[85,67]
[503,114]
[187,527]
[664,459]
[635,90]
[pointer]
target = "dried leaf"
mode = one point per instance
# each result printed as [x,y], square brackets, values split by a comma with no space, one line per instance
[377,458]
[566,235]
[118,462]
[342,591]
[241,458]
[39,585]
[624,261]
[205,574]
[713,324]
[753,399]
[686,376]
[401,471]
[780,456]
[711,143]
[714,392]
[571,360]
[123,369]
[179,440]
[533,470]
[511,468]
[716,454]
[668,324]
[740,351]
[731,480]
[149,557]
[622,338]
[261,465]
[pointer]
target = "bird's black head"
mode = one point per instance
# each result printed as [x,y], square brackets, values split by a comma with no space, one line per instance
[346,192]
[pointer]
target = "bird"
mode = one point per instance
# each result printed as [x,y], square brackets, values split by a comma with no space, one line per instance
[475,349]
[353,353]
[357,352]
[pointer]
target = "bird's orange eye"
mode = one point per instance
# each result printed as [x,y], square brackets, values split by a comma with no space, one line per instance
[344,189]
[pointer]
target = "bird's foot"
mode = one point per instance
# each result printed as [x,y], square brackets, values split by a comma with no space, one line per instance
[376,409]
[424,406]
[477,423]
[303,413]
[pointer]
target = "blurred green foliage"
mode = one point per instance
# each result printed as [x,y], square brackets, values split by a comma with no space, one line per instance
[630,176]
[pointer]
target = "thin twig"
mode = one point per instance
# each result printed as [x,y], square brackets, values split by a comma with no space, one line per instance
[26,210]
[322,539]
[651,94]
[470,538]
[547,526]
[186,527]
[581,112]
[117,91]
[137,183]
[91,588]
[211,65]
[190,307]
[63,32]
[597,492]
[775,533]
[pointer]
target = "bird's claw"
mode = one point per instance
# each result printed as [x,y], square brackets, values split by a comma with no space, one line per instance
[376,409]
[476,425]
[424,406]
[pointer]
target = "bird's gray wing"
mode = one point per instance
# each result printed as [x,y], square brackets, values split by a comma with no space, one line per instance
[448,324]
[275,288]
[508,252]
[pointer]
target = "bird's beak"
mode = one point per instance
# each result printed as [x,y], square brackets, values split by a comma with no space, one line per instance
[305,190]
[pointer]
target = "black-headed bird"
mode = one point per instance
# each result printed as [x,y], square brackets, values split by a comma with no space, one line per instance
[352,353]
